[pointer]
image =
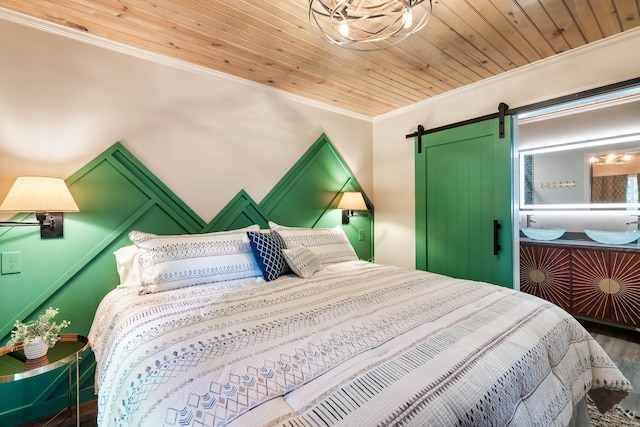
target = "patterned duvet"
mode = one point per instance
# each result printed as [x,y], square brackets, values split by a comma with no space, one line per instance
[358,344]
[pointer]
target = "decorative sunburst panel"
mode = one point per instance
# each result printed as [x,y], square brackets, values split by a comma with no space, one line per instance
[606,285]
[625,303]
[545,271]
[590,268]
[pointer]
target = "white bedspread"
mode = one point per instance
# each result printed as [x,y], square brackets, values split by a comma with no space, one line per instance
[357,344]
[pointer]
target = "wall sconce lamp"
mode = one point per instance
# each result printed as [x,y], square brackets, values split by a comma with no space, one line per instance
[352,201]
[47,197]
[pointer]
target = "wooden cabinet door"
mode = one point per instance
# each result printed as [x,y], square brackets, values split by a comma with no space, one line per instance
[545,271]
[606,285]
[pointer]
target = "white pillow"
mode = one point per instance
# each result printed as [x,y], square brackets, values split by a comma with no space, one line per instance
[328,244]
[302,261]
[170,262]
[128,266]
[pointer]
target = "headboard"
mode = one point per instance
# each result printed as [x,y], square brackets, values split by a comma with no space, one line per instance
[116,193]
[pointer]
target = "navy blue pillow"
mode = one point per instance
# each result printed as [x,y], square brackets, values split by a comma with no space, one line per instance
[267,248]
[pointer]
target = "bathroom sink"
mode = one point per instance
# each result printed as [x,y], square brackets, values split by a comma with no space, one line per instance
[613,237]
[543,233]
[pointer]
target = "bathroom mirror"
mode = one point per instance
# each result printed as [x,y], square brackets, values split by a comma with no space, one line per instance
[596,174]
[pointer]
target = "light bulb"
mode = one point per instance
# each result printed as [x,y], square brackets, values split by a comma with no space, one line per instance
[407,17]
[343,28]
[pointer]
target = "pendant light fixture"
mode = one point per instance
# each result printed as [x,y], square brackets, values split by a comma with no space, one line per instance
[367,25]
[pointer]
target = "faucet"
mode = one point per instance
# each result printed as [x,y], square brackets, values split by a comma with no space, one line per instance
[637,221]
[530,221]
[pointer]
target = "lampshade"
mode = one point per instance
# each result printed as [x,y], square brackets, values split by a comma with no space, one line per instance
[367,25]
[352,200]
[39,194]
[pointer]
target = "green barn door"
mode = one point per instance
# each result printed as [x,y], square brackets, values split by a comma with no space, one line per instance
[463,203]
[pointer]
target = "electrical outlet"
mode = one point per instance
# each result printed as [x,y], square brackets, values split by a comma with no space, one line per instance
[10,262]
[360,235]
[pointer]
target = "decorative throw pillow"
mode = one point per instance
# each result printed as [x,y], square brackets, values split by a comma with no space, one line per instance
[302,261]
[267,248]
[170,262]
[128,266]
[329,244]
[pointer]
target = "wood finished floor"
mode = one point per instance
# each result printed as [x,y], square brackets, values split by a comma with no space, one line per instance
[621,345]
[88,414]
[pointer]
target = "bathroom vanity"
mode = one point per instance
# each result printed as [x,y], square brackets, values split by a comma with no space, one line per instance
[586,278]
[579,210]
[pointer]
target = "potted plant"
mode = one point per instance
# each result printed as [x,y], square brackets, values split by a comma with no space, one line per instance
[38,335]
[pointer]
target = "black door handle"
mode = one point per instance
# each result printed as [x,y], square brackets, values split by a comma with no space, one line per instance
[496,236]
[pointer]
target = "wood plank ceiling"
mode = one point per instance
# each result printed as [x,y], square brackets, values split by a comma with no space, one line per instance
[270,42]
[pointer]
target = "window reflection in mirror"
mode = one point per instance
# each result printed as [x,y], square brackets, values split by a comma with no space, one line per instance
[588,174]
[614,177]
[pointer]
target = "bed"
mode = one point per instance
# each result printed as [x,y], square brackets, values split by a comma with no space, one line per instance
[289,328]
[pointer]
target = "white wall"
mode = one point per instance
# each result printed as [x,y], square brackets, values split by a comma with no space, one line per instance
[204,134]
[595,65]
[207,135]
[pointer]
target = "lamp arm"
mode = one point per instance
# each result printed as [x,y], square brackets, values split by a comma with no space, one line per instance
[40,216]
[50,224]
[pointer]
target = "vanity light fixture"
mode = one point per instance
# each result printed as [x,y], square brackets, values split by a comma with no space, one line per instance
[611,159]
[352,201]
[47,197]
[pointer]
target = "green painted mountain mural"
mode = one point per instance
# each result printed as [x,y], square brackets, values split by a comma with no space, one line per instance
[116,194]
